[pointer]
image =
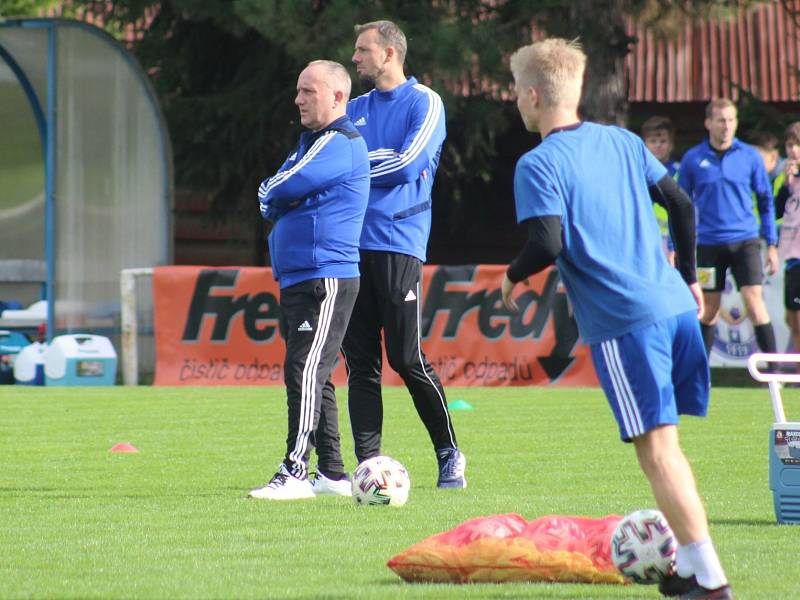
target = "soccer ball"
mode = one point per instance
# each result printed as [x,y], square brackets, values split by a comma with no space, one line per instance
[643,546]
[381,480]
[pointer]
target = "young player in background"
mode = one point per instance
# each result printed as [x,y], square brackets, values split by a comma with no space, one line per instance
[658,134]
[787,206]
[721,174]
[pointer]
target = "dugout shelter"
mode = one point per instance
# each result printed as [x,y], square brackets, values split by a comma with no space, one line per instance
[86,180]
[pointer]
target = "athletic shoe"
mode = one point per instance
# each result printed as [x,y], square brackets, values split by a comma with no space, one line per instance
[284,486]
[701,593]
[333,487]
[675,585]
[451,468]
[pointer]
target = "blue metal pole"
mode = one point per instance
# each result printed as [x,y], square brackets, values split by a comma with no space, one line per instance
[50,179]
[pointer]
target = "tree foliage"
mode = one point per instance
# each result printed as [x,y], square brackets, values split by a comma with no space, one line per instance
[24,8]
[226,71]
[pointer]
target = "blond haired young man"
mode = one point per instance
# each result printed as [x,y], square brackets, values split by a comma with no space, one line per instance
[594,220]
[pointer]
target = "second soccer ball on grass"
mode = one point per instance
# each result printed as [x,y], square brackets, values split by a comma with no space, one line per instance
[381,480]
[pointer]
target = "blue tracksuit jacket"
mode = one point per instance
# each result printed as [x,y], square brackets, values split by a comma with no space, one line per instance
[722,191]
[317,200]
[404,129]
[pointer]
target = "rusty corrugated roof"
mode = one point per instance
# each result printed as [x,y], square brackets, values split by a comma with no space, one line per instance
[758,51]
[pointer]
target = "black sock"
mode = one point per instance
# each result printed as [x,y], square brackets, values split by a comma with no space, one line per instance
[708,335]
[765,338]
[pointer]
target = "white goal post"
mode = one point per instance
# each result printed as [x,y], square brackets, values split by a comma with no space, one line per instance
[129,323]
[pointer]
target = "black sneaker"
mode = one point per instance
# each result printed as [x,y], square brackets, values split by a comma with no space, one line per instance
[675,585]
[701,593]
[451,468]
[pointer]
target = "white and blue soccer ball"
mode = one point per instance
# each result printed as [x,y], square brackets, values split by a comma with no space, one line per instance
[381,481]
[643,546]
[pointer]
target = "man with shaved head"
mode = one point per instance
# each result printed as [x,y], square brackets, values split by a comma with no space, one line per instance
[317,201]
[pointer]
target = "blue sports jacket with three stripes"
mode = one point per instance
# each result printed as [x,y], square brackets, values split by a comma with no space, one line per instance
[317,200]
[404,129]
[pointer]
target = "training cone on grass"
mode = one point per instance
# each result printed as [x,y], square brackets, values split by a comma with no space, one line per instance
[460,405]
[125,448]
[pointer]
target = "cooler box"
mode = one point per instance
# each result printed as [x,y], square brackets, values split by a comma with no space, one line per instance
[29,366]
[80,359]
[784,471]
[784,438]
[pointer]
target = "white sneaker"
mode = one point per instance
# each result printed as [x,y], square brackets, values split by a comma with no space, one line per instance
[332,487]
[284,486]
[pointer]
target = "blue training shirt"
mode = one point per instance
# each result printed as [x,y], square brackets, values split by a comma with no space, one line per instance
[404,129]
[722,191]
[595,177]
[317,199]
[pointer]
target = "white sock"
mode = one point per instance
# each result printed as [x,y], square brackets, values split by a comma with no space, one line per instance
[705,562]
[683,565]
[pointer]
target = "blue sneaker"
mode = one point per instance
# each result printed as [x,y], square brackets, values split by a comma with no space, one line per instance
[451,468]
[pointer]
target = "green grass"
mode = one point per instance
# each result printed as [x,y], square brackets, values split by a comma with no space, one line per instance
[173,521]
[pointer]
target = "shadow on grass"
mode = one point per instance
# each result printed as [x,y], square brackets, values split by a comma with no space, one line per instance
[61,493]
[531,589]
[753,522]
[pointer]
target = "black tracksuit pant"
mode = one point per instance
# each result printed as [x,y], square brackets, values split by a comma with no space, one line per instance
[314,316]
[389,300]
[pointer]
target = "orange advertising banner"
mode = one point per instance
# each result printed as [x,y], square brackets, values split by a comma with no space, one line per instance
[221,326]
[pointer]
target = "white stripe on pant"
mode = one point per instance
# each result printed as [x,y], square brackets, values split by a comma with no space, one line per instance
[625,399]
[309,381]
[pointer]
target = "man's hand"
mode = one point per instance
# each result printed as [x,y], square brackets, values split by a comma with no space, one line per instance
[506,290]
[697,292]
[790,169]
[772,260]
[266,210]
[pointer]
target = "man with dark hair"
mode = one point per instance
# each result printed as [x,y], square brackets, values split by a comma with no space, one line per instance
[403,124]
[658,134]
[317,201]
[766,144]
[721,174]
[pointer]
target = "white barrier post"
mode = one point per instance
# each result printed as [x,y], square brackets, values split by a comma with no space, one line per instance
[129,324]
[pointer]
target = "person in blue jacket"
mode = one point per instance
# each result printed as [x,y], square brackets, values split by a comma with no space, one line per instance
[721,174]
[594,220]
[403,124]
[317,201]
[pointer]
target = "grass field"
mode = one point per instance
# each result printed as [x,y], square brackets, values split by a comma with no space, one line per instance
[173,522]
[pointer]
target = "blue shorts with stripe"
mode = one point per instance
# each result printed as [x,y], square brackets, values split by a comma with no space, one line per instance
[653,374]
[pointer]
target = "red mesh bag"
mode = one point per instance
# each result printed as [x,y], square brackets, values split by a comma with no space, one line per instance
[502,548]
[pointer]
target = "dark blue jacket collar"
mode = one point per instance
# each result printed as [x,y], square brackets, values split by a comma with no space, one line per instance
[736,145]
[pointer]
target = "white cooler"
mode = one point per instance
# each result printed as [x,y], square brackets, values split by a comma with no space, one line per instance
[80,359]
[29,366]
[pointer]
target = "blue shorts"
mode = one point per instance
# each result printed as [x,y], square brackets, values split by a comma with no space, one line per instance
[655,373]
